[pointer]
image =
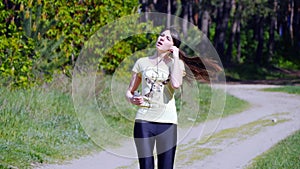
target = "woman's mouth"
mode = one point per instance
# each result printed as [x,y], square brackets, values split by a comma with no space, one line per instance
[159,43]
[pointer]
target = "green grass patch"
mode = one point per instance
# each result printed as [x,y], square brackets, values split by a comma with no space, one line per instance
[39,126]
[286,89]
[232,135]
[188,157]
[285,154]
[211,110]
[234,105]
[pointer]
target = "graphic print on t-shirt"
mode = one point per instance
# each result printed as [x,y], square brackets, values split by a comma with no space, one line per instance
[155,81]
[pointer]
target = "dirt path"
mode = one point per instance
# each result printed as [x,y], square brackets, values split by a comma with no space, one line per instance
[240,138]
[236,141]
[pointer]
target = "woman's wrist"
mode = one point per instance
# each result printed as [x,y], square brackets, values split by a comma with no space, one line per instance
[129,96]
[176,57]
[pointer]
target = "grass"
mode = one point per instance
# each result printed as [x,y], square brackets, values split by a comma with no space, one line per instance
[221,105]
[234,105]
[286,89]
[286,154]
[41,126]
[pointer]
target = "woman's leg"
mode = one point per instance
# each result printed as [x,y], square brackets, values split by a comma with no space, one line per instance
[144,141]
[166,145]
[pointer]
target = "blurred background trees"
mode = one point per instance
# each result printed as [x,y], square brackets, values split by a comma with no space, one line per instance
[42,38]
[259,31]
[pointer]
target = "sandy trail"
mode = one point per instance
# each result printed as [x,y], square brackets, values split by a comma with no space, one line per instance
[234,143]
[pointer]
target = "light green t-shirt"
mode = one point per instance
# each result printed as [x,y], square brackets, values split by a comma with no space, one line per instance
[158,94]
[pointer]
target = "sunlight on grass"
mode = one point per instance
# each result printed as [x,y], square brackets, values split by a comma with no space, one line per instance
[39,126]
[285,154]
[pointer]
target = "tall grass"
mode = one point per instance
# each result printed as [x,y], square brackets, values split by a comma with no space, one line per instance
[39,126]
[285,155]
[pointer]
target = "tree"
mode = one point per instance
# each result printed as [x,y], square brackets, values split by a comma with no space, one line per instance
[32,42]
[273,23]
[223,14]
[205,18]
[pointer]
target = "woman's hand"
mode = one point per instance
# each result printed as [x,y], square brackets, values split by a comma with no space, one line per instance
[134,83]
[137,100]
[175,51]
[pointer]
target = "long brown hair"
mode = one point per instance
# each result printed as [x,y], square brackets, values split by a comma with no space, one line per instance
[201,69]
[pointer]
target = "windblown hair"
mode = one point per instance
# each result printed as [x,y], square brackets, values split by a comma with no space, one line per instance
[200,69]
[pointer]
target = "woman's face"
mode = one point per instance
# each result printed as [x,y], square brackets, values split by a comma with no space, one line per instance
[164,41]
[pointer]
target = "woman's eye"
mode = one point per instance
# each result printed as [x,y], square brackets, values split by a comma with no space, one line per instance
[162,35]
[168,38]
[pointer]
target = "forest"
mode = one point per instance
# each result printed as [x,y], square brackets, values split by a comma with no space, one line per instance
[41,38]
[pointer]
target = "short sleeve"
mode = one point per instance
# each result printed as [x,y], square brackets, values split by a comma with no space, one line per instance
[137,67]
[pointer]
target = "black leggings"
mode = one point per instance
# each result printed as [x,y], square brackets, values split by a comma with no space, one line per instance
[165,137]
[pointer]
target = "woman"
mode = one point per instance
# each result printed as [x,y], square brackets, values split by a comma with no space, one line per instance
[156,119]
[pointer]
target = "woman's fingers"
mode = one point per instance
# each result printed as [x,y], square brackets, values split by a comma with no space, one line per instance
[175,51]
[137,100]
[173,48]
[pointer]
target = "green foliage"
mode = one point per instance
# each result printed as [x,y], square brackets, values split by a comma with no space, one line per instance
[15,66]
[26,50]
[287,54]
[249,71]
[45,37]
[42,38]
[114,56]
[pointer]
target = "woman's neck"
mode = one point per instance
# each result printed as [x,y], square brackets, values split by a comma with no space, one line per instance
[161,55]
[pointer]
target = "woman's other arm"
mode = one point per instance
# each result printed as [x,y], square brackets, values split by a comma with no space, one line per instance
[133,86]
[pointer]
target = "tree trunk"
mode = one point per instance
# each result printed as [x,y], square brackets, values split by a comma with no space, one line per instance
[238,42]
[205,18]
[231,42]
[205,22]
[271,40]
[185,15]
[196,12]
[273,21]
[234,29]
[260,38]
[169,14]
[144,8]
[223,12]
[291,9]
[297,23]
